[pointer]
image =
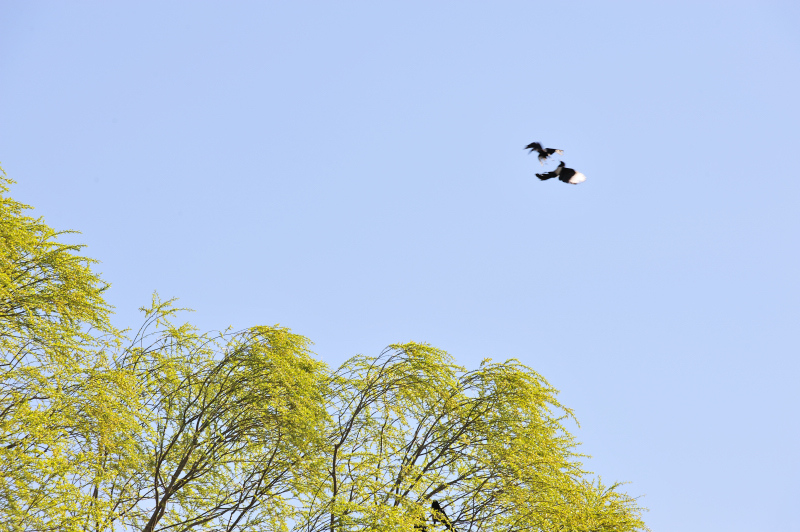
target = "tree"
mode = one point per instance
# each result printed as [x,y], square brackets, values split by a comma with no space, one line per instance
[177,430]
[233,427]
[410,426]
[60,397]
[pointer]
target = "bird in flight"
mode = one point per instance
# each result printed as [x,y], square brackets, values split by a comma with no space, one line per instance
[544,153]
[567,175]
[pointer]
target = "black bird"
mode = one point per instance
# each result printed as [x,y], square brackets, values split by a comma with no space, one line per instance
[544,153]
[567,175]
[440,517]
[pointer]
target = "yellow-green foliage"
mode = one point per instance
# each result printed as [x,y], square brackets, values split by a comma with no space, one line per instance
[48,293]
[63,404]
[410,426]
[174,430]
[235,426]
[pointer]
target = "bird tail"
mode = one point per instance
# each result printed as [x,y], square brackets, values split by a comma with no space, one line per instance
[547,175]
[577,178]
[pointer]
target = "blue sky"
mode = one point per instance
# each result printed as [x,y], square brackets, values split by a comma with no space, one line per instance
[355,171]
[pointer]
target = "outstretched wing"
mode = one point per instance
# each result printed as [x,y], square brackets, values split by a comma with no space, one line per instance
[545,153]
[547,175]
[534,146]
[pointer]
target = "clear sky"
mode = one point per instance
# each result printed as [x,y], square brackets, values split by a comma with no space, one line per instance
[355,171]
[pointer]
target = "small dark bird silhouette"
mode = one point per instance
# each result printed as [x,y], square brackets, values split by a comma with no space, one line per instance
[544,153]
[567,175]
[440,517]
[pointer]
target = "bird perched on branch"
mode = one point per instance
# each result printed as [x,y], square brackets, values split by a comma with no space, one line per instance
[567,175]
[440,517]
[544,153]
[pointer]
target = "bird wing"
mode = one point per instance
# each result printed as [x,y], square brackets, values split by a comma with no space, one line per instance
[534,146]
